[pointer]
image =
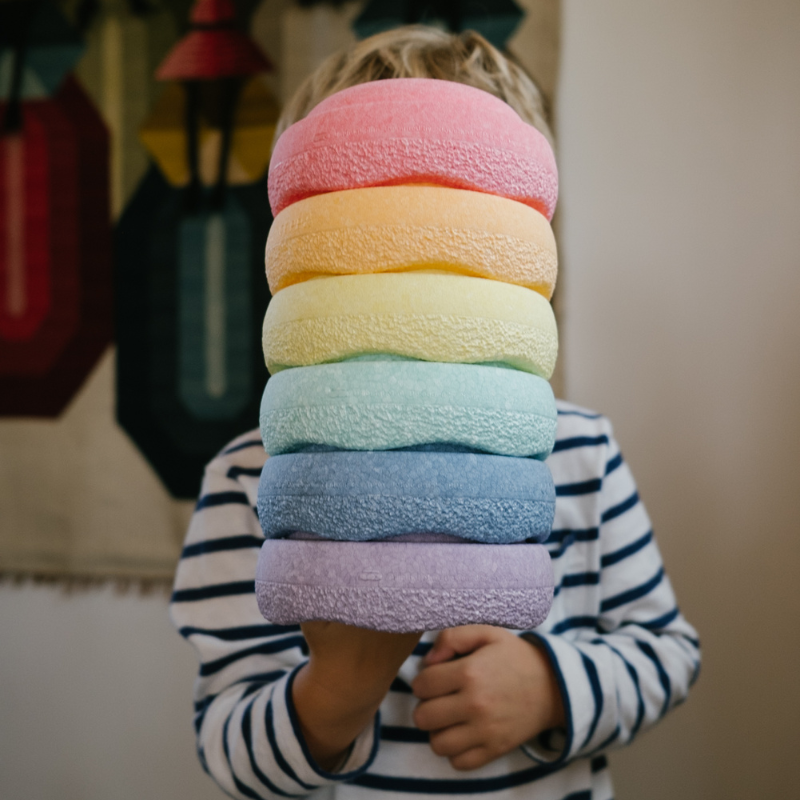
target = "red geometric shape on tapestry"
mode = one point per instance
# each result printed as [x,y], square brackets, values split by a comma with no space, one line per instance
[40,374]
[25,292]
[214,48]
[212,12]
[203,55]
[39,286]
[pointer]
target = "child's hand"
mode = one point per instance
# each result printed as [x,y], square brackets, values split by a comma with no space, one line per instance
[499,694]
[348,674]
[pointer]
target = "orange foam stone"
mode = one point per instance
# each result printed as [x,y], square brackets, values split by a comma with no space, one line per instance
[404,228]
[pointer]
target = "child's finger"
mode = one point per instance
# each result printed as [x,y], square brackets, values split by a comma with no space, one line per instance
[459,641]
[441,712]
[472,759]
[456,739]
[437,680]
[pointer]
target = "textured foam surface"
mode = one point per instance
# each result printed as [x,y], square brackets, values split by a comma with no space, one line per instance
[360,496]
[401,228]
[447,318]
[381,405]
[426,538]
[401,587]
[413,130]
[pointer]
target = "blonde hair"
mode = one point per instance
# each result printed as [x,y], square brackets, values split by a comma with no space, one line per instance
[418,51]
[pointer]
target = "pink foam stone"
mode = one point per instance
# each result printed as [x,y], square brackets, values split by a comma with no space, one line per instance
[414,130]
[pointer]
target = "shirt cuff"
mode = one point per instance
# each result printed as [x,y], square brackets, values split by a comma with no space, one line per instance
[553,746]
[295,750]
[549,747]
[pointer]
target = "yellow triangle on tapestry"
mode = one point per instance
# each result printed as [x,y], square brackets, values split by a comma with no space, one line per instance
[164,136]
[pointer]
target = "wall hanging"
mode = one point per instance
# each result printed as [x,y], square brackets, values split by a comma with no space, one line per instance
[78,499]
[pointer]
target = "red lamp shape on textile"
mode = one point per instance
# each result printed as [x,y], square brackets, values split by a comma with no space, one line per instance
[212,59]
[216,119]
[214,48]
[55,270]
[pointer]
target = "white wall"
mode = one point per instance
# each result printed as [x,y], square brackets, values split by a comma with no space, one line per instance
[95,699]
[680,168]
[681,243]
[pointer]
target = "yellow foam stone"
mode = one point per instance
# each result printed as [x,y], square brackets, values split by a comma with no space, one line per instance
[403,228]
[432,317]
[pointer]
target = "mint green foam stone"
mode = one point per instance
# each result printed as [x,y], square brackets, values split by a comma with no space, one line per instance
[368,404]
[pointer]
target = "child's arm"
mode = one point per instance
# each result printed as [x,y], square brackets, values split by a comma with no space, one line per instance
[628,656]
[619,653]
[251,735]
[338,692]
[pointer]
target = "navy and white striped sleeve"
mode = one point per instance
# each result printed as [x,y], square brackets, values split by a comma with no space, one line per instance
[628,656]
[248,738]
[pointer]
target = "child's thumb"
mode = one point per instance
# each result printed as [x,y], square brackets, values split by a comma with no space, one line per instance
[455,642]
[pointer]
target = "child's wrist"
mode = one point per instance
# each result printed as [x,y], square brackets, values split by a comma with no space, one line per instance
[345,687]
[330,717]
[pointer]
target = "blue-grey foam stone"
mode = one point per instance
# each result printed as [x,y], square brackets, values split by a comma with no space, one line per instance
[388,404]
[361,496]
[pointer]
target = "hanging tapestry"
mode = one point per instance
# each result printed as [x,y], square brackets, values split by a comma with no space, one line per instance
[80,498]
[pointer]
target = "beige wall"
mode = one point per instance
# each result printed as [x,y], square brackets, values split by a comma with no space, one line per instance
[680,168]
[681,238]
[95,699]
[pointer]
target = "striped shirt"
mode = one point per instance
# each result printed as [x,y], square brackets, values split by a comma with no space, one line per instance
[623,653]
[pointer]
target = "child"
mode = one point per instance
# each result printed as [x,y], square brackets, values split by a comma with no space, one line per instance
[354,713]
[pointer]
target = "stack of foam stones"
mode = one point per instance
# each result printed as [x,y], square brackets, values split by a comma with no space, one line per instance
[410,341]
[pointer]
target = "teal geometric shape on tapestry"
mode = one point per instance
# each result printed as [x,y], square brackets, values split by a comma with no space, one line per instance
[32,86]
[496,20]
[51,47]
[150,406]
[214,340]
